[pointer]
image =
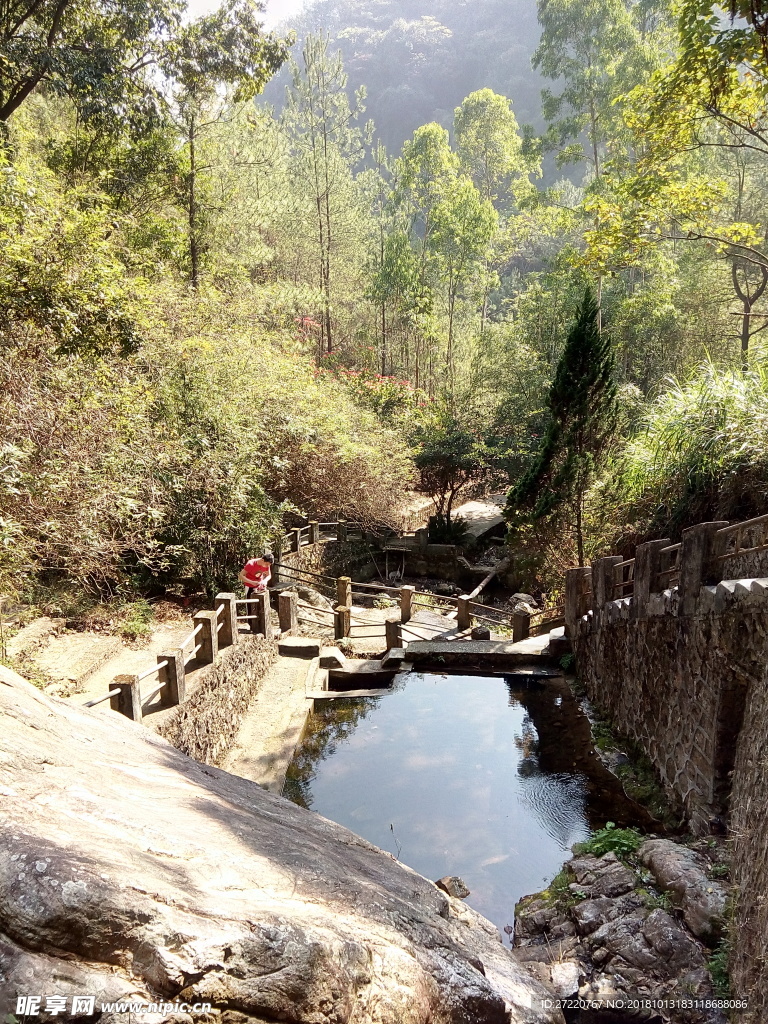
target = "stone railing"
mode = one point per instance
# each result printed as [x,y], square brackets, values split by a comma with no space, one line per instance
[212,632]
[702,558]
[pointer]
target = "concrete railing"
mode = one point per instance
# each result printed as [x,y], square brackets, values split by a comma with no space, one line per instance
[212,632]
[697,560]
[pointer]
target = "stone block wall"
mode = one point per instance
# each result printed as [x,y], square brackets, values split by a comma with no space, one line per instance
[749,808]
[677,686]
[692,690]
[206,724]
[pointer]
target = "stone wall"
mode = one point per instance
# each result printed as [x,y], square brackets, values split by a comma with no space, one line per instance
[749,800]
[684,673]
[206,724]
[678,686]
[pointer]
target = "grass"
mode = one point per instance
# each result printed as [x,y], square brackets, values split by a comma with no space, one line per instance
[718,968]
[621,841]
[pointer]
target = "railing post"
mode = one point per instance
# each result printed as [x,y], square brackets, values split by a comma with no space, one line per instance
[602,580]
[128,701]
[464,616]
[341,621]
[647,567]
[173,677]
[341,531]
[296,538]
[406,599]
[574,597]
[698,565]
[263,618]
[227,624]
[207,637]
[393,634]
[287,611]
[344,591]
[314,531]
[521,626]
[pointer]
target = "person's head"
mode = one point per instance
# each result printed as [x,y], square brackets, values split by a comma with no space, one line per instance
[268,557]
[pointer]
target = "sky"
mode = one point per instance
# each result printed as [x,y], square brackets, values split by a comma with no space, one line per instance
[277,10]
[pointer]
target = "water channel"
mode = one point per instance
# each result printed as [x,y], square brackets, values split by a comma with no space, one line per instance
[489,778]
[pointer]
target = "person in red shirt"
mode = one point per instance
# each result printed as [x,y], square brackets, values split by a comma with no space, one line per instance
[255,575]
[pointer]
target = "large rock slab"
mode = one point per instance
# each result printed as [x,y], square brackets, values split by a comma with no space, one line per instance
[129,869]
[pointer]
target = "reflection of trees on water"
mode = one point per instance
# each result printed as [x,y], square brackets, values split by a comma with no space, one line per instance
[332,722]
[564,779]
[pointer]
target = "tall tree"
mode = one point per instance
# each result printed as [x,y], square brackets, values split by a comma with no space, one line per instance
[582,413]
[587,47]
[321,123]
[215,61]
[93,51]
[488,143]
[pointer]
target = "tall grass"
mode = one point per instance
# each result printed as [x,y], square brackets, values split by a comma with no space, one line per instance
[702,453]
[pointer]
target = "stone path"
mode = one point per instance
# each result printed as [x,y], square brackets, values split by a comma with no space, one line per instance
[272,727]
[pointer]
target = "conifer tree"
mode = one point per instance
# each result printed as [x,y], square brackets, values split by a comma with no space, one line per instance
[582,411]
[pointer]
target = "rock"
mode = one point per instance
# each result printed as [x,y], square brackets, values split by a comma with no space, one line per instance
[454,886]
[299,647]
[313,597]
[682,872]
[129,869]
[481,633]
[618,946]
[525,599]
[602,876]
[447,589]
[564,978]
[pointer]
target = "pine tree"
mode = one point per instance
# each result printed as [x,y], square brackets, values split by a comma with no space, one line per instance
[582,411]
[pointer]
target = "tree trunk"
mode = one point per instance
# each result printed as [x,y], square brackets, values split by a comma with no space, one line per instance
[194,247]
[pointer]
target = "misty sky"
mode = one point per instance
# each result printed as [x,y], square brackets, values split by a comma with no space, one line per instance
[277,10]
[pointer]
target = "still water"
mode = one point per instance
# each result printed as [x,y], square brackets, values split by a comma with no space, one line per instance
[475,776]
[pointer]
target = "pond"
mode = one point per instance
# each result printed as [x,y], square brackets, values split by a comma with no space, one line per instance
[489,778]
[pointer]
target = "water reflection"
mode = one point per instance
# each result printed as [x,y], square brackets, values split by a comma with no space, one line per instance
[489,779]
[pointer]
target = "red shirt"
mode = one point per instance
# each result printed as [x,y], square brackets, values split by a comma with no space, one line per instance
[257,573]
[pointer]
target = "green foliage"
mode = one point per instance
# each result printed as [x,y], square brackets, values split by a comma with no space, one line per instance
[718,965]
[582,409]
[448,457]
[700,455]
[442,530]
[59,271]
[621,841]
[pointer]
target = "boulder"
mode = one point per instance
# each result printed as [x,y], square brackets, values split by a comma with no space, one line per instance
[481,633]
[454,886]
[683,873]
[127,869]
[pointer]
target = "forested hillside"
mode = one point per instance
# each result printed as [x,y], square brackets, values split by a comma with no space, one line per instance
[418,60]
[216,316]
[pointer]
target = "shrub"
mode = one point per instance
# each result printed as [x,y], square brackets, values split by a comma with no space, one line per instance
[621,841]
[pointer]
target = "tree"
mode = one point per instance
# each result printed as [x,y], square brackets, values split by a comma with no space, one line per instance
[320,122]
[582,411]
[587,46]
[93,51]
[488,142]
[225,49]
[464,225]
[448,457]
